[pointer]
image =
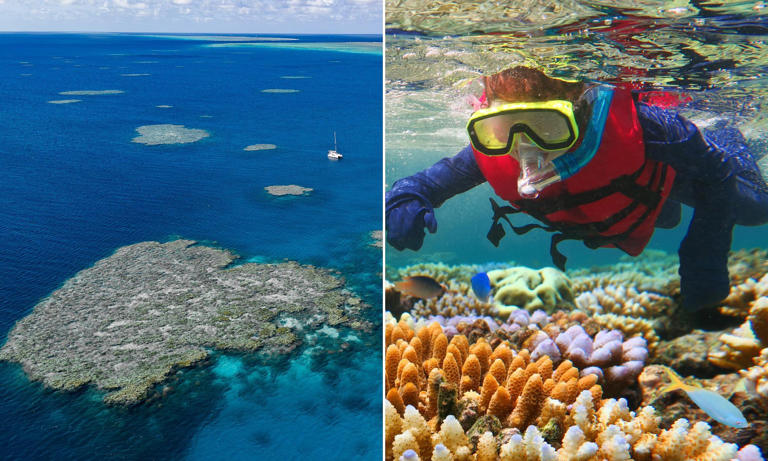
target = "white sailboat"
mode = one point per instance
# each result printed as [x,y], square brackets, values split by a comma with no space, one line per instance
[334,154]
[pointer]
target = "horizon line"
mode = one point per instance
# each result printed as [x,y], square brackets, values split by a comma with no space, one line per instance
[176,33]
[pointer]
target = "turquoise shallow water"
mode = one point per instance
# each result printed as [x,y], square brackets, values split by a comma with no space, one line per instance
[73,188]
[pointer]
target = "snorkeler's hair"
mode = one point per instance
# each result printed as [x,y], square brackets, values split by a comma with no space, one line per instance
[525,84]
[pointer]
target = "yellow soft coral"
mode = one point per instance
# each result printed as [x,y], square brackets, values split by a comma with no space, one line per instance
[522,287]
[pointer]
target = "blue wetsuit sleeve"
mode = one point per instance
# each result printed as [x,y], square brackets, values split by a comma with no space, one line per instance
[446,178]
[718,177]
[411,201]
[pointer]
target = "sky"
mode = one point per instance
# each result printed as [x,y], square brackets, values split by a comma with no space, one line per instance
[208,16]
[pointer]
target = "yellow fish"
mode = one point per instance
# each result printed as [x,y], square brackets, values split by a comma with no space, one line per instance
[713,404]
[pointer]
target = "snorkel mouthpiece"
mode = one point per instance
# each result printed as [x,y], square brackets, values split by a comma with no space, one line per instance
[536,173]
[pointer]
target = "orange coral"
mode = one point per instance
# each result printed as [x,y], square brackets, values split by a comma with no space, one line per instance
[528,404]
[390,364]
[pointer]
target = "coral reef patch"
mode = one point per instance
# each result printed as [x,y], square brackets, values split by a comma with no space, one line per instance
[291,189]
[279,90]
[90,92]
[253,147]
[561,366]
[64,101]
[153,135]
[126,323]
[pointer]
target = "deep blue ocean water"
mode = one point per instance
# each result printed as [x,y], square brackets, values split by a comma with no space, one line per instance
[73,188]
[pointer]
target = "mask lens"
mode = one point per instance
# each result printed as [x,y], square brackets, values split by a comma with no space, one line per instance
[549,129]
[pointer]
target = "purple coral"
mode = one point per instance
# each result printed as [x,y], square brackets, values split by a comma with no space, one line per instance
[606,356]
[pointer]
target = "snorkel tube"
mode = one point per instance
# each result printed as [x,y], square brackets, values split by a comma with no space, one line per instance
[536,172]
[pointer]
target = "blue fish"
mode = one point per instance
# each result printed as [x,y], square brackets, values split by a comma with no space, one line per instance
[481,285]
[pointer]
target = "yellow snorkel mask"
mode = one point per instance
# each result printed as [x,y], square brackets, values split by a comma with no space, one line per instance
[549,126]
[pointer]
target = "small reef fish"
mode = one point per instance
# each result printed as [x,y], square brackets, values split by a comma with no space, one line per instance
[713,404]
[420,286]
[481,285]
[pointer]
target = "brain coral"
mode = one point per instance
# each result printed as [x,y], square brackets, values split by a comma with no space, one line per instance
[529,289]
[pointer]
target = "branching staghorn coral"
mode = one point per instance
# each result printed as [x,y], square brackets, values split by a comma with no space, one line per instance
[745,264]
[625,300]
[741,297]
[626,309]
[744,343]
[443,273]
[610,432]
[454,302]
[654,271]
[756,377]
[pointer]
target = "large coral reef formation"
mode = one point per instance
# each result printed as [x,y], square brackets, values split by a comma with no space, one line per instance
[436,387]
[133,318]
[636,300]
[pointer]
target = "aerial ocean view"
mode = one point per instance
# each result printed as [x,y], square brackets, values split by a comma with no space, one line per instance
[136,174]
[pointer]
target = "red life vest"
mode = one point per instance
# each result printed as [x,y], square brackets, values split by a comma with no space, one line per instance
[612,201]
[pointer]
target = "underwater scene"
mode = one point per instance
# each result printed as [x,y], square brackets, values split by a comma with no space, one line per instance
[621,311]
[185,272]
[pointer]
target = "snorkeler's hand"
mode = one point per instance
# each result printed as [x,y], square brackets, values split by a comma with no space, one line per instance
[406,219]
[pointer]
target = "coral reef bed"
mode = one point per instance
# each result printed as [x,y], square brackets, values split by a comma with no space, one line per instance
[131,319]
[290,189]
[562,366]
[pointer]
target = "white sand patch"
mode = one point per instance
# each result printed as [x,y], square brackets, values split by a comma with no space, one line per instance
[253,147]
[279,90]
[153,135]
[352,338]
[64,101]
[291,189]
[332,332]
[90,92]
[378,238]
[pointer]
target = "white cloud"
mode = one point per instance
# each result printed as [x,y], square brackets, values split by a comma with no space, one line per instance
[265,16]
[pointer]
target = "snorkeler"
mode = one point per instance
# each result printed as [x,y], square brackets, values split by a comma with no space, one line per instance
[593,162]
